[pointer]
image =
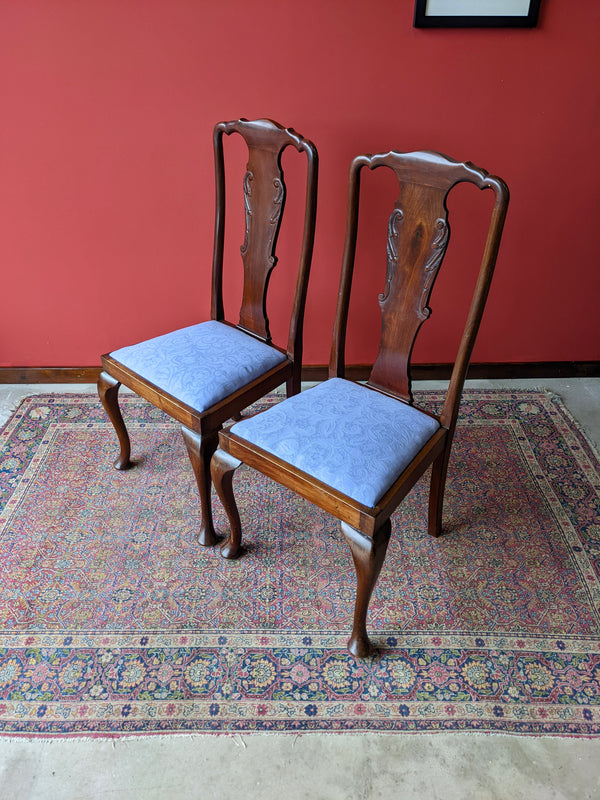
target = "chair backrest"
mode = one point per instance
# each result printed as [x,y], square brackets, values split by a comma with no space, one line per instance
[417,238]
[264,200]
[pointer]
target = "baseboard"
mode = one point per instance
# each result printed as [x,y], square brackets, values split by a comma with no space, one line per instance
[492,371]
[495,371]
[49,374]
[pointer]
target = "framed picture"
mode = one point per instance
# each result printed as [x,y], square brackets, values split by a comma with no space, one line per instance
[476,13]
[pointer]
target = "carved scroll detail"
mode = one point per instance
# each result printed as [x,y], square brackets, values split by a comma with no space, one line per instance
[275,215]
[392,251]
[278,184]
[438,248]
[248,178]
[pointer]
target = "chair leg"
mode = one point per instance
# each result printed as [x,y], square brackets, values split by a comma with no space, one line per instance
[368,555]
[293,384]
[222,467]
[439,470]
[108,391]
[200,450]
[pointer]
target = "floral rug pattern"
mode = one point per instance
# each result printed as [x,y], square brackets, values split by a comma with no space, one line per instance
[113,621]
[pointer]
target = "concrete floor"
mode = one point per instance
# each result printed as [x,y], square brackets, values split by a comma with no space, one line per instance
[460,766]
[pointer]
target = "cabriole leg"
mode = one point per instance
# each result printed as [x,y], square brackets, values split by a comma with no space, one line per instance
[200,450]
[439,470]
[368,555]
[222,468]
[108,391]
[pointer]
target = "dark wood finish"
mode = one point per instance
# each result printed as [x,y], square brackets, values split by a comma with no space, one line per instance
[417,238]
[108,391]
[425,180]
[264,198]
[223,467]
[200,450]
[368,554]
[357,372]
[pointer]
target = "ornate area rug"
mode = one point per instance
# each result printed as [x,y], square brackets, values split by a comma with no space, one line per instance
[113,621]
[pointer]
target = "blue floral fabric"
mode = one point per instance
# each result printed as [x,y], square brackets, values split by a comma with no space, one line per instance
[202,364]
[353,438]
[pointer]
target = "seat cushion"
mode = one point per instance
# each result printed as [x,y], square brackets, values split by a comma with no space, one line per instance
[350,437]
[202,364]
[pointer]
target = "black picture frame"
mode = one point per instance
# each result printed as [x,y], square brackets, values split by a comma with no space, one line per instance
[424,20]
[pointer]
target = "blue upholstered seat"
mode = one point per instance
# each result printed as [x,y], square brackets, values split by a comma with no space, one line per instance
[353,438]
[202,364]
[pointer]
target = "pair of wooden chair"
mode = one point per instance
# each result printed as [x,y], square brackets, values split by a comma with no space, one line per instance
[355,450]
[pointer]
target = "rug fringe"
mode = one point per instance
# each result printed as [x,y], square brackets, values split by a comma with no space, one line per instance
[240,742]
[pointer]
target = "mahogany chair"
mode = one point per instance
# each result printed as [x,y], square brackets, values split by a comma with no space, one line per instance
[356,450]
[206,373]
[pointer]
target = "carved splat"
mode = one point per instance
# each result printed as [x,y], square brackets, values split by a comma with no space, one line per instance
[264,195]
[417,238]
[264,198]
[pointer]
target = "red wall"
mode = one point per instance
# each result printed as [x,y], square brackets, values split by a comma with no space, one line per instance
[106,182]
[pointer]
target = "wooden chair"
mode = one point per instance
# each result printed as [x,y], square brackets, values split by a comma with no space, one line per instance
[204,374]
[355,450]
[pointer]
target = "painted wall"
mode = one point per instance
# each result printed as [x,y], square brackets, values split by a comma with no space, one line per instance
[106,176]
